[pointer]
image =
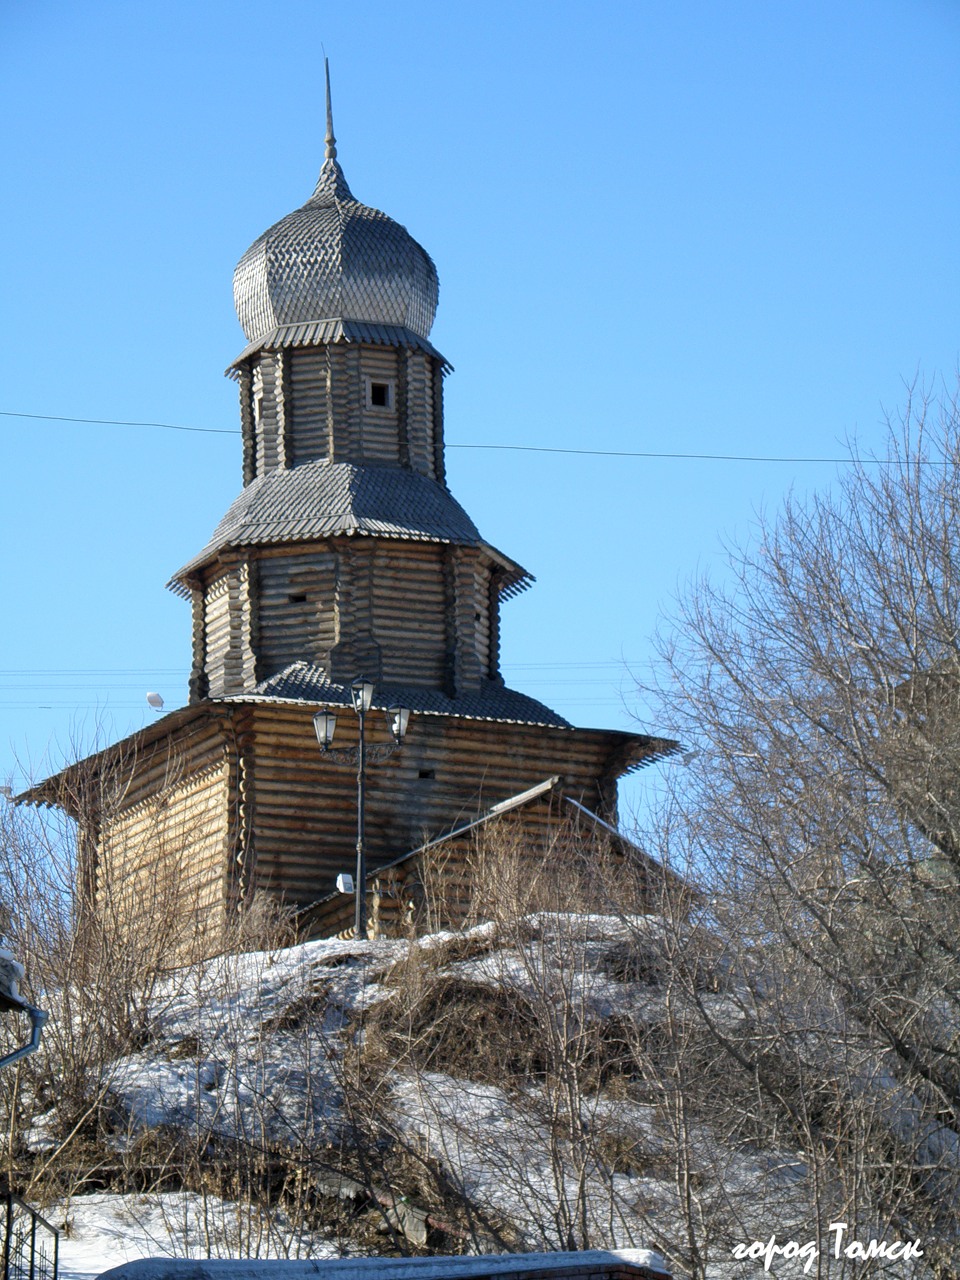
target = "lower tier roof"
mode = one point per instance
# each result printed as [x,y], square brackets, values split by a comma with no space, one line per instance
[306,683]
[319,500]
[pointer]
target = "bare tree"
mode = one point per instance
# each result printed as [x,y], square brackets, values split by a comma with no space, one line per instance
[819,683]
[530,1076]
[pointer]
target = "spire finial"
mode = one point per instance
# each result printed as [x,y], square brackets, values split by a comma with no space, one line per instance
[331,143]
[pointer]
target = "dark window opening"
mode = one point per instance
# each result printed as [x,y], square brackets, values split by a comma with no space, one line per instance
[427,773]
[297,599]
[380,395]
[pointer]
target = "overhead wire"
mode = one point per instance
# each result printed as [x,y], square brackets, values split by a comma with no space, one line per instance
[514,448]
[65,688]
[79,678]
[118,422]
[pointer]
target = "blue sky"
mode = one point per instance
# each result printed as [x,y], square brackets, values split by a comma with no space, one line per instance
[696,228]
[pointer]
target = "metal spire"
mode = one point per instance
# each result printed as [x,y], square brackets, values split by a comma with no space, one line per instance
[331,143]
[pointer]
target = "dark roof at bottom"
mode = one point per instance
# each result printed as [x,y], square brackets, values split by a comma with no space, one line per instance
[302,682]
[303,685]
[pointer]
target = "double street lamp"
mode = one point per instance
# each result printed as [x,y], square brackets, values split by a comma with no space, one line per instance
[325,724]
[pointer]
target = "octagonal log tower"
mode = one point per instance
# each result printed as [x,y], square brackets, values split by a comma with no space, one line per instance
[343,555]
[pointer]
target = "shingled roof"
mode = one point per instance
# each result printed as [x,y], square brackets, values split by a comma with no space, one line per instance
[303,682]
[322,332]
[333,499]
[335,257]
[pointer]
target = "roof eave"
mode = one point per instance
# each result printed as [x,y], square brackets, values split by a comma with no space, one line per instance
[335,330]
[515,580]
[55,791]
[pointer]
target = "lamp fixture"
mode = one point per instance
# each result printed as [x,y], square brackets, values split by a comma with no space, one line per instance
[397,719]
[361,692]
[324,726]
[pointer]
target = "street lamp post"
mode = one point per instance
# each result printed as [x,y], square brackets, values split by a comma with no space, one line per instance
[324,724]
[362,693]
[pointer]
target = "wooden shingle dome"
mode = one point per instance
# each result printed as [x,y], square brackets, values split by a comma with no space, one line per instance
[335,259]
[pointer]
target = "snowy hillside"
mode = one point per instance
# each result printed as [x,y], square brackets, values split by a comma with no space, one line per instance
[510,1091]
[461,1137]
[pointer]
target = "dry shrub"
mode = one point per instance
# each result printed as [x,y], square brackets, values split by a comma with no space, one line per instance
[459,947]
[635,960]
[188,1047]
[100,924]
[559,868]
[534,896]
[650,959]
[261,922]
[507,869]
[302,1013]
[626,1149]
[464,1029]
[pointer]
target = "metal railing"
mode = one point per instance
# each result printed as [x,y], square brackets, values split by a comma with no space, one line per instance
[30,1243]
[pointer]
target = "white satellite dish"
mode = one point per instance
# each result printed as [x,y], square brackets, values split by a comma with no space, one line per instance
[154,700]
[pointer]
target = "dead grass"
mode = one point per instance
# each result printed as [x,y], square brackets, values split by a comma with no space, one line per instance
[625,1149]
[301,1013]
[461,1028]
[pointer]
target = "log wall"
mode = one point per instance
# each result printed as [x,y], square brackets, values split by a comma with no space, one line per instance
[239,799]
[538,857]
[448,771]
[226,636]
[380,428]
[216,633]
[268,412]
[421,427]
[304,404]
[161,856]
[421,614]
[409,615]
[308,410]
[297,613]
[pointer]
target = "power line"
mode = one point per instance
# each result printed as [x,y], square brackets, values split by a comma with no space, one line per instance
[117,422]
[514,448]
[686,457]
[621,664]
[26,692]
[91,671]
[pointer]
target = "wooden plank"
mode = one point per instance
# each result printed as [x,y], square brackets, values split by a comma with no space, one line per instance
[310,404]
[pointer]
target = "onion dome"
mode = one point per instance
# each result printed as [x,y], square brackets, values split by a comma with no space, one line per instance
[335,258]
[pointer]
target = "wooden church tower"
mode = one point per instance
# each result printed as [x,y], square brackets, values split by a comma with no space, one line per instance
[343,555]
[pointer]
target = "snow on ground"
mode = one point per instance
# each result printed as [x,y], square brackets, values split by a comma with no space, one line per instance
[102,1231]
[238,991]
[227,1053]
[554,951]
[250,1046]
[502,1151]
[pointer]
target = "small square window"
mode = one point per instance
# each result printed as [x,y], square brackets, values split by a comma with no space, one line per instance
[379,394]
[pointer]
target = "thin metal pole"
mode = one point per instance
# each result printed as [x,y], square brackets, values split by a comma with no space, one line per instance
[6,1243]
[360,919]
